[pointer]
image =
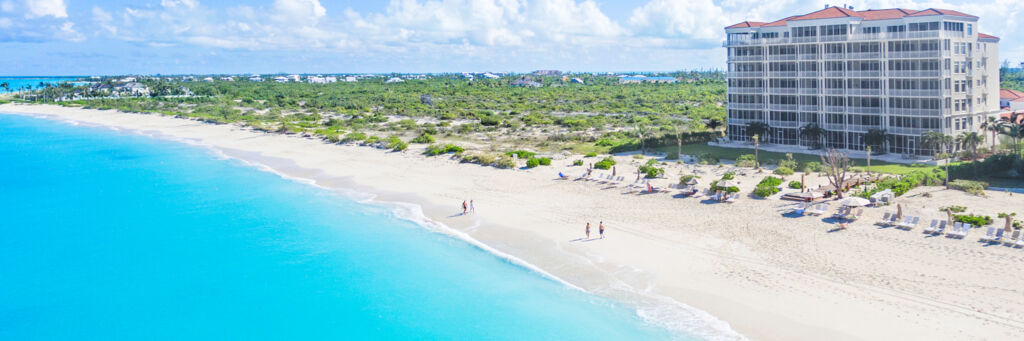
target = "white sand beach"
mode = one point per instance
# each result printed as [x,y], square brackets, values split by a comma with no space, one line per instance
[768,276]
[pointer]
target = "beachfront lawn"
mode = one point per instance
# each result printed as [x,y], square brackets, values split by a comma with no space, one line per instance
[767,158]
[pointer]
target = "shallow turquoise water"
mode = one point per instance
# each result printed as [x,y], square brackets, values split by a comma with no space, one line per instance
[110,236]
[16,83]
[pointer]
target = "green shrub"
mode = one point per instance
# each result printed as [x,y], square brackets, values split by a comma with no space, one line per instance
[708,159]
[976,220]
[972,187]
[954,209]
[672,155]
[545,161]
[729,176]
[686,178]
[434,150]
[532,162]
[522,154]
[745,160]
[354,137]
[795,185]
[765,191]
[504,162]
[770,181]
[650,169]
[813,166]
[480,159]
[590,155]
[577,163]
[788,162]
[396,144]
[371,140]
[423,139]
[605,164]
[716,187]
[783,170]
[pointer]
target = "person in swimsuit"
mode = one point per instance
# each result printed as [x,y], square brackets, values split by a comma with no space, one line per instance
[588,230]
[472,208]
[464,207]
[600,229]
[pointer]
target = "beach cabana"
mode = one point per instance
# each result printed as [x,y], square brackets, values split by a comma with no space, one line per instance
[885,197]
[854,202]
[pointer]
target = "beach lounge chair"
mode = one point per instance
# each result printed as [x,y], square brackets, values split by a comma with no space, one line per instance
[931,227]
[1011,240]
[998,236]
[938,230]
[967,228]
[885,219]
[1020,242]
[855,216]
[732,198]
[988,235]
[909,223]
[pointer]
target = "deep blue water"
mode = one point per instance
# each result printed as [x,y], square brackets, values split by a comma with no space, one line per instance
[111,236]
[16,83]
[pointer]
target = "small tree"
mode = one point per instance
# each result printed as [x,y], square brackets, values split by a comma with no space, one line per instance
[641,131]
[756,164]
[836,165]
[813,132]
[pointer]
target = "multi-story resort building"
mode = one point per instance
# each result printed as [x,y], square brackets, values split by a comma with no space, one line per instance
[849,72]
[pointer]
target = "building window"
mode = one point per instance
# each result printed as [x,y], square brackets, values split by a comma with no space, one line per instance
[969,29]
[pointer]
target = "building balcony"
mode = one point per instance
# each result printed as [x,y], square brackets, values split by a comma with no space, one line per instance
[835,108]
[782,74]
[834,56]
[834,126]
[863,74]
[784,124]
[915,93]
[864,92]
[915,74]
[753,91]
[861,128]
[864,110]
[835,74]
[746,74]
[783,107]
[915,112]
[908,131]
[809,91]
[843,37]
[782,91]
[811,107]
[809,74]
[864,55]
[747,106]
[830,91]
[782,57]
[756,58]
[809,56]
[914,54]
[804,39]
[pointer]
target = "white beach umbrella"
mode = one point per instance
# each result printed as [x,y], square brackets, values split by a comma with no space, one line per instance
[855,202]
[692,181]
[728,183]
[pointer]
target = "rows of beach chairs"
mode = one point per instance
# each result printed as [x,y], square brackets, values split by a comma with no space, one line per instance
[958,230]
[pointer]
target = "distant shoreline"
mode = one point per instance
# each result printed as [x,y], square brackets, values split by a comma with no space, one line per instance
[770,277]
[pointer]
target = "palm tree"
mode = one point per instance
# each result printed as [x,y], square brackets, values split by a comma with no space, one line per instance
[713,124]
[7,87]
[757,128]
[991,125]
[939,142]
[756,145]
[876,138]
[1013,127]
[813,132]
[970,141]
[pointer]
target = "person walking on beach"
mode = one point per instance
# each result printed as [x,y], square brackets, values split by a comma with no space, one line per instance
[588,230]
[613,170]
[464,207]
[472,208]
[600,229]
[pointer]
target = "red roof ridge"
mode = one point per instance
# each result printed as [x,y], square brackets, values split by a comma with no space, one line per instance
[870,14]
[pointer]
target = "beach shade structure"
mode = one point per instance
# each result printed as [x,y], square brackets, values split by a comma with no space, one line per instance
[1009,224]
[854,202]
[885,196]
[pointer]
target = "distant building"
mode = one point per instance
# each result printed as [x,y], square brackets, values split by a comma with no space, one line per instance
[350,79]
[489,75]
[255,78]
[1012,100]
[228,79]
[525,83]
[547,72]
[577,81]
[394,80]
[642,79]
[294,78]
[132,89]
[208,79]
[281,79]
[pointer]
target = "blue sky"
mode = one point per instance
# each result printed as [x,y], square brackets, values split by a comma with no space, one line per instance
[76,37]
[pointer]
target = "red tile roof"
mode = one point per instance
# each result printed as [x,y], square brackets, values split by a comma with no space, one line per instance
[1011,94]
[868,15]
[747,24]
[986,36]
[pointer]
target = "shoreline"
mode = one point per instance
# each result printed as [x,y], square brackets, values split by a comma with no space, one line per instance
[769,277]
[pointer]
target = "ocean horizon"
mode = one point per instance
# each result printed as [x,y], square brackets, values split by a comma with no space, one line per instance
[114,235]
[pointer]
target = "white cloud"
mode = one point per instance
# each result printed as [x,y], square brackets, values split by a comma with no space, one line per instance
[5,23]
[104,19]
[187,4]
[67,32]
[7,6]
[700,19]
[42,8]
[304,12]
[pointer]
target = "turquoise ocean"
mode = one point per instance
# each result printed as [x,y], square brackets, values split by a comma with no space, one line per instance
[16,83]
[108,235]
